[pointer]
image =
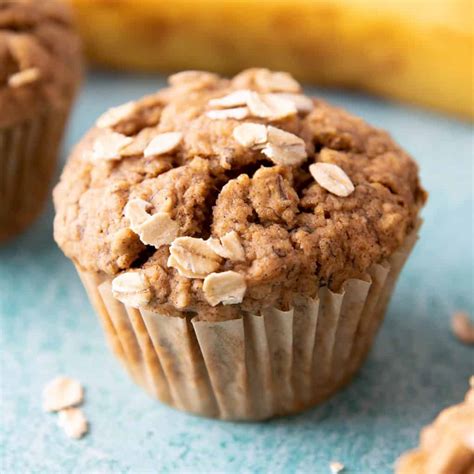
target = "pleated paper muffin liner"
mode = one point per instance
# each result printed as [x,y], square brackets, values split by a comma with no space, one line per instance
[256,366]
[28,156]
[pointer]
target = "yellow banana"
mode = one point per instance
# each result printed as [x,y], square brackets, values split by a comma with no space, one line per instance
[420,51]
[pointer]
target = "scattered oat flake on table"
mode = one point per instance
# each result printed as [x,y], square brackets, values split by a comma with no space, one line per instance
[22,78]
[62,392]
[73,422]
[462,327]
[332,178]
[163,143]
[336,467]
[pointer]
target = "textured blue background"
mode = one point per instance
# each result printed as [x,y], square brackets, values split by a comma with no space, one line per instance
[415,368]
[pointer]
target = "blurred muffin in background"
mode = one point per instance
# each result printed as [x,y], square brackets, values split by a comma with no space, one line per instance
[418,51]
[447,445]
[40,70]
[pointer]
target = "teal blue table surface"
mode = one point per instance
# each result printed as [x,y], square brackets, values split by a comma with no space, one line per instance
[416,368]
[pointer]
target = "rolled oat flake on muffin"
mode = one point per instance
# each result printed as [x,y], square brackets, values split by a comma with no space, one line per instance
[270,81]
[22,78]
[228,246]
[109,146]
[284,148]
[163,143]
[332,178]
[270,106]
[235,256]
[136,212]
[302,103]
[250,135]
[132,288]
[159,229]
[237,113]
[234,99]
[192,80]
[226,287]
[115,115]
[193,258]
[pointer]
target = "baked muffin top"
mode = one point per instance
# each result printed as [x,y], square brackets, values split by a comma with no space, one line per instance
[40,59]
[218,195]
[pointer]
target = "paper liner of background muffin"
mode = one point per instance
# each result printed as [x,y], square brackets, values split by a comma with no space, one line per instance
[257,366]
[28,156]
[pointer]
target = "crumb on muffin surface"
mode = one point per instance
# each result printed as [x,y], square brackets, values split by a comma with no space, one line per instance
[184,157]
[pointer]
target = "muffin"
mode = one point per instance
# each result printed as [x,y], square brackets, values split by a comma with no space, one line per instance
[447,445]
[238,239]
[40,68]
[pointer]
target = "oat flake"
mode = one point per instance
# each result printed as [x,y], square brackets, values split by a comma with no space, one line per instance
[136,212]
[192,257]
[132,288]
[336,467]
[62,392]
[270,106]
[157,230]
[115,115]
[73,422]
[250,135]
[109,146]
[234,99]
[303,103]
[276,81]
[332,178]
[228,246]
[192,80]
[226,287]
[284,148]
[238,113]
[22,78]
[163,143]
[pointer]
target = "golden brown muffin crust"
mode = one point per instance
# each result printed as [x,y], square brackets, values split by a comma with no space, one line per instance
[296,235]
[39,58]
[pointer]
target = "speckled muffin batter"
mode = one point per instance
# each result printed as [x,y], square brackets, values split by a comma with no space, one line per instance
[215,196]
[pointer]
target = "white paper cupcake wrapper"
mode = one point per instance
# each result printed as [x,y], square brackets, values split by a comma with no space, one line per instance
[28,155]
[256,366]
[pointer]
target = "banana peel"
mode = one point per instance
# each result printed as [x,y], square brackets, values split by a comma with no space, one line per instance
[419,51]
